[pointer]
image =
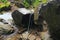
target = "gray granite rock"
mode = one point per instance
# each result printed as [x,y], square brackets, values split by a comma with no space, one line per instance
[5,28]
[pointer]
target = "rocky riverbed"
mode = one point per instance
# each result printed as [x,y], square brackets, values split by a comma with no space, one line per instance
[7,24]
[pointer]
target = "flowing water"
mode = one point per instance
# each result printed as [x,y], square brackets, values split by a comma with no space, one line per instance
[7,16]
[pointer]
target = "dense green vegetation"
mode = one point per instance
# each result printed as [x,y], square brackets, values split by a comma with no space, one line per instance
[4,3]
[34,3]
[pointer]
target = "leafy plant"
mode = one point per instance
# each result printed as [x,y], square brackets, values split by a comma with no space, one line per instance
[34,3]
[4,3]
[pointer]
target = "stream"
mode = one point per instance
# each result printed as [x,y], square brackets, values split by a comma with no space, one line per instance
[7,16]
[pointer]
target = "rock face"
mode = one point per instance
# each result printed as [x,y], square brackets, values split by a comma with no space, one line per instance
[27,20]
[51,13]
[17,17]
[21,19]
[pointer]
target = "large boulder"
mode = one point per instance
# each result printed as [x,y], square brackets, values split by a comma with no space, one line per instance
[22,19]
[51,13]
[17,17]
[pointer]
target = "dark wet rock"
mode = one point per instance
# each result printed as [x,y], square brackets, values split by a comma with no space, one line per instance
[17,17]
[51,14]
[5,9]
[21,19]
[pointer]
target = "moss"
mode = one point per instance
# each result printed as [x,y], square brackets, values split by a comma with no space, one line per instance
[53,18]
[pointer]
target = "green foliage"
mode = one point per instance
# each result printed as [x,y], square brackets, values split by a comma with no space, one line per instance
[4,1]
[4,4]
[34,3]
[25,3]
[44,1]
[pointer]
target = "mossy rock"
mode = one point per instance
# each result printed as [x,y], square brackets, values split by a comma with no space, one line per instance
[51,13]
